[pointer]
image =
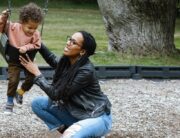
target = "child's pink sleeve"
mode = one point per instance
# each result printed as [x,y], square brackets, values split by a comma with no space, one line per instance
[35,43]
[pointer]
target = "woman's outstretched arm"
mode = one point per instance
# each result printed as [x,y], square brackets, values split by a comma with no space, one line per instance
[48,56]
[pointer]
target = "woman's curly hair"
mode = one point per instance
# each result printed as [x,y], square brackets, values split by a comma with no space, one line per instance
[31,12]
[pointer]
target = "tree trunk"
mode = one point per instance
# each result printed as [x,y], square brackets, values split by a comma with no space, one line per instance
[140,26]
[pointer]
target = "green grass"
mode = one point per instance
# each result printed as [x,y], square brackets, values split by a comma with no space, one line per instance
[63,21]
[177,33]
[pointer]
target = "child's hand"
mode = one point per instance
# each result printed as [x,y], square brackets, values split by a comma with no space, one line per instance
[22,50]
[3,18]
[5,14]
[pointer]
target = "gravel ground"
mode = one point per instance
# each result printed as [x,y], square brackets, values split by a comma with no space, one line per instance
[140,109]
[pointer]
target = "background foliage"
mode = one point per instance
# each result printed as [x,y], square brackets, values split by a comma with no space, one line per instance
[65,17]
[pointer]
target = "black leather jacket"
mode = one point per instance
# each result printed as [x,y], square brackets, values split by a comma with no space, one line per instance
[86,98]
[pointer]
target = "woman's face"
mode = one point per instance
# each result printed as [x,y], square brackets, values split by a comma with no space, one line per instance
[73,48]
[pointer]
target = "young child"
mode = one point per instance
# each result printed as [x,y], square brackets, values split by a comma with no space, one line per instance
[24,38]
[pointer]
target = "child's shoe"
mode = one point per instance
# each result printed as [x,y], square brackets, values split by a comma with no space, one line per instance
[8,108]
[19,98]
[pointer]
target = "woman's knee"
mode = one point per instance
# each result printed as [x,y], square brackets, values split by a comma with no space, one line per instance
[72,131]
[38,103]
[92,127]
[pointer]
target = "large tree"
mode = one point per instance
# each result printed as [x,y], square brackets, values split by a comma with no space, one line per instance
[140,26]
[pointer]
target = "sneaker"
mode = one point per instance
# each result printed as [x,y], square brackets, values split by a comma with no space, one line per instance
[19,98]
[9,108]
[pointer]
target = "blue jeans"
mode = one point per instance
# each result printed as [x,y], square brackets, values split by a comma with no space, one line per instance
[54,116]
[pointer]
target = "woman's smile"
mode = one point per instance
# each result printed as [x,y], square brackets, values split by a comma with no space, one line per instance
[66,49]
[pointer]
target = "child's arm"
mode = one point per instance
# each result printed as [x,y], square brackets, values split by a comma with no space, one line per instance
[3,20]
[35,44]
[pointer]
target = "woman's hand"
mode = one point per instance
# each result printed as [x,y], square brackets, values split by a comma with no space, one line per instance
[29,65]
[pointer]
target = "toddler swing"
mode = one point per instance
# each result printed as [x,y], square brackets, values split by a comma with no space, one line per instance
[4,38]
[6,49]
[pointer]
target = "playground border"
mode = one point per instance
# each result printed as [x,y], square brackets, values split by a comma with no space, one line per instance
[115,72]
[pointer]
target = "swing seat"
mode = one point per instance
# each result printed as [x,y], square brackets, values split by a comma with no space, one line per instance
[3,45]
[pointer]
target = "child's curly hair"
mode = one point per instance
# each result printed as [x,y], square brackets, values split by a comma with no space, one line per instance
[31,12]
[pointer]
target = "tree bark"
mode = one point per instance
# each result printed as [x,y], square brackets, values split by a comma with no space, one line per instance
[140,26]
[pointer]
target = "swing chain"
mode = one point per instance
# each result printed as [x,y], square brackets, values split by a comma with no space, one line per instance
[45,9]
[9,6]
[4,37]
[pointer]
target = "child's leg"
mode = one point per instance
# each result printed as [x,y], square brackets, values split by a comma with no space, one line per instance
[26,85]
[29,77]
[13,73]
[28,82]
